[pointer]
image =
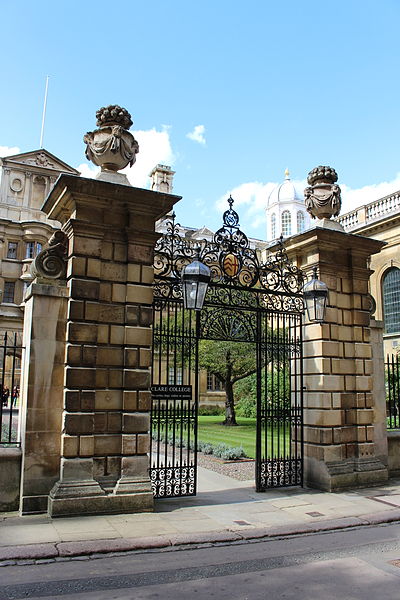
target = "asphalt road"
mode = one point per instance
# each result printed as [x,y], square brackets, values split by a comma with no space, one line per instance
[353,564]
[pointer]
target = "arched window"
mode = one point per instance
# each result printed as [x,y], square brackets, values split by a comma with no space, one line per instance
[391,300]
[301,222]
[273,226]
[286,223]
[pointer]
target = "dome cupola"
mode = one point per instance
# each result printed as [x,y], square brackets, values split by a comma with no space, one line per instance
[285,192]
[286,212]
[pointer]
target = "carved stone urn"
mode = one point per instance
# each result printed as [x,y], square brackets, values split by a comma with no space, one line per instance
[322,198]
[111,147]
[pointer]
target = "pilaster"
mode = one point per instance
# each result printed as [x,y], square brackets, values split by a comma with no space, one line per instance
[42,389]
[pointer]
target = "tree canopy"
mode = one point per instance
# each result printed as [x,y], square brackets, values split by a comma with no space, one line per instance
[229,362]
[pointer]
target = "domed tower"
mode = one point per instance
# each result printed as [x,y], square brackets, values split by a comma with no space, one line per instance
[286,212]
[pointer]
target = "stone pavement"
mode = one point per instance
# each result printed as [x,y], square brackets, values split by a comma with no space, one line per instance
[225,510]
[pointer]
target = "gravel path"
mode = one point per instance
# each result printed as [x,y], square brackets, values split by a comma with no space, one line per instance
[241,470]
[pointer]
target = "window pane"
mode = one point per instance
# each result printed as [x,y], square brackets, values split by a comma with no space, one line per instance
[300,221]
[8,294]
[286,223]
[391,300]
[30,249]
[213,383]
[12,250]
[175,376]
[273,226]
[209,381]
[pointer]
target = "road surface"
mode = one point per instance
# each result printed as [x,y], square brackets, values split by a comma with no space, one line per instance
[352,564]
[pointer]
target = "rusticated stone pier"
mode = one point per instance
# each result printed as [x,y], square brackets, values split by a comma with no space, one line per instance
[104,435]
[344,419]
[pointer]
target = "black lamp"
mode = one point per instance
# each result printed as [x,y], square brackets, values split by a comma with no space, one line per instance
[195,279]
[316,296]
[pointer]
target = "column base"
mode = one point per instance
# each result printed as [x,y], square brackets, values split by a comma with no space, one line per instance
[345,474]
[73,498]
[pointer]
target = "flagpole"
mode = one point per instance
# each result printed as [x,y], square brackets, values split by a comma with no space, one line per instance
[44,111]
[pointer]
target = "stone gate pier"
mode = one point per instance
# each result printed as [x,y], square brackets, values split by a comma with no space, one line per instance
[105,434]
[98,436]
[344,405]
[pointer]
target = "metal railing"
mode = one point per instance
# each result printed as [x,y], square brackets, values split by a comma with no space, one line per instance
[392,382]
[10,376]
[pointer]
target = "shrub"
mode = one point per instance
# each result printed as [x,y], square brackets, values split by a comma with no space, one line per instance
[233,453]
[228,452]
[206,448]
[275,387]
[246,407]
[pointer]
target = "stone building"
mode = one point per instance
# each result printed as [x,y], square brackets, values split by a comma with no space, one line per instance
[380,220]
[26,179]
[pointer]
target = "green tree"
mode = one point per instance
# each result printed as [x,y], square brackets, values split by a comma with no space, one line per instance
[229,362]
[275,386]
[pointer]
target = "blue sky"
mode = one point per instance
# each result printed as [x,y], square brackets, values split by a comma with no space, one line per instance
[267,84]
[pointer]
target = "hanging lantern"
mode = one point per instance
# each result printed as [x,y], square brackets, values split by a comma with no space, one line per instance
[195,279]
[316,296]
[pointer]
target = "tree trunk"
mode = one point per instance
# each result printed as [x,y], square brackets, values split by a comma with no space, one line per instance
[230,416]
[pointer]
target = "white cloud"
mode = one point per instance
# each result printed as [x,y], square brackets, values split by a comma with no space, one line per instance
[154,147]
[352,198]
[197,135]
[88,170]
[9,151]
[250,199]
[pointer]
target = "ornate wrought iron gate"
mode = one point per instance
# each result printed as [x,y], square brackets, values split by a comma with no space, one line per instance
[250,301]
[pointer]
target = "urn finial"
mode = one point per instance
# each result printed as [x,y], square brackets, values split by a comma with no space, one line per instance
[322,198]
[112,147]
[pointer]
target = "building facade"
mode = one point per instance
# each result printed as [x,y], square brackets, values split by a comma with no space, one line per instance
[26,179]
[380,219]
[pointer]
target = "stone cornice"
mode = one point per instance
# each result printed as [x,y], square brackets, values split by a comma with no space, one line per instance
[331,239]
[70,190]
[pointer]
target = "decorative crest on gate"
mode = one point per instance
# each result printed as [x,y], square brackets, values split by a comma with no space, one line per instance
[235,266]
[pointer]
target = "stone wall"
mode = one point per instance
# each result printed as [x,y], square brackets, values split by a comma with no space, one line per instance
[10,474]
[393,442]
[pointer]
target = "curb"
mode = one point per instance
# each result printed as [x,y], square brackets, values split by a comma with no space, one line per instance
[11,554]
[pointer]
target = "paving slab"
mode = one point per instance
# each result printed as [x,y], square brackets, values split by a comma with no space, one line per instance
[225,510]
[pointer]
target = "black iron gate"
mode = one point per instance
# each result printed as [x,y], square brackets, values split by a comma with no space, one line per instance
[174,399]
[248,300]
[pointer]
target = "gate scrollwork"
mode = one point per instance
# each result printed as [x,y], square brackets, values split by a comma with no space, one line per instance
[275,284]
[254,296]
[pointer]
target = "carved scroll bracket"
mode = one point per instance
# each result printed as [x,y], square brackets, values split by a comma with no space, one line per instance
[51,263]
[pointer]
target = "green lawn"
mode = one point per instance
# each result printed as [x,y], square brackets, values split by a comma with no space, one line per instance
[211,430]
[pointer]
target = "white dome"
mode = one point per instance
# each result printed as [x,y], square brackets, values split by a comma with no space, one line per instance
[285,192]
[286,211]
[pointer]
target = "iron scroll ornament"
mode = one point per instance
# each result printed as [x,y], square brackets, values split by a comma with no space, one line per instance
[238,278]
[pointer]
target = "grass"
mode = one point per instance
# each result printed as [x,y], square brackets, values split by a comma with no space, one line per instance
[211,431]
